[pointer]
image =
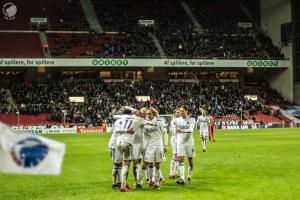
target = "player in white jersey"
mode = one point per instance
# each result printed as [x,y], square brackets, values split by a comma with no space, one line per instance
[163,121]
[155,149]
[116,157]
[125,145]
[129,143]
[185,126]
[174,161]
[165,137]
[138,147]
[203,123]
[115,153]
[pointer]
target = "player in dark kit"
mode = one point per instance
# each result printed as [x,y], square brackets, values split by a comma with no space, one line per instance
[211,128]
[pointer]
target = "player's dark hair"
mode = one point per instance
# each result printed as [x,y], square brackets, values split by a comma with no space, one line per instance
[184,107]
[127,112]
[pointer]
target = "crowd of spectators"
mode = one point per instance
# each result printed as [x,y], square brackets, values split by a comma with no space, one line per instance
[5,106]
[3,100]
[221,36]
[185,45]
[134,44]
[103,99]
[218,17]
[66,15]
[122,16]
[267,45]
[35,98]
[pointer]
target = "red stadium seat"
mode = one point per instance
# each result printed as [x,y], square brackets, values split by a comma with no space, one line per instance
[20,45]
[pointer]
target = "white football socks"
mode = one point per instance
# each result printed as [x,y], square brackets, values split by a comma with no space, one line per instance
[157,175]
[181,170]
[204,143]
[150,173]
[190,169]
[172,167]
[124,175]
[114,175]
[119,171]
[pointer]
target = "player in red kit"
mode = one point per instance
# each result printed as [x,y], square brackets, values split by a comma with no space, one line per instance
[211,128]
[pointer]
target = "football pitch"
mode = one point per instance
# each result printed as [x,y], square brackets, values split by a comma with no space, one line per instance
[241,164]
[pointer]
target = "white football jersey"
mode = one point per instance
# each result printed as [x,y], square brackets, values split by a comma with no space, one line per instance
[126,123]
[163,121]
[173,126]
[138,127]
[114,136]
[203,122]
[153,133]
[188,126]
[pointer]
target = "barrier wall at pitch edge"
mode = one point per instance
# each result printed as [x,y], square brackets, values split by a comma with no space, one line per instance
[60,130]
[48,131]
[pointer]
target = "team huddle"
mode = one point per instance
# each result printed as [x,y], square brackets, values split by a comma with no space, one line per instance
[140,138]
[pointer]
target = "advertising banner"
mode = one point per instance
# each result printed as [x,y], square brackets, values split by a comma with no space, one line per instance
[91,130]
[123,62]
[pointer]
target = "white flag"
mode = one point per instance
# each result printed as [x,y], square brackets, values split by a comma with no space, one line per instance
[23,153]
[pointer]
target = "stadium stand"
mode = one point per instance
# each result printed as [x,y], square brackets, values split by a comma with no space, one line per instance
[66,15]
[118,16]
[211,46]
[61,14]
[268,46]
[133,44]
[13,119]
[219,17]
[123,37]
[224,101]
[20,45]
[3,100]
[28,10]
[221,37]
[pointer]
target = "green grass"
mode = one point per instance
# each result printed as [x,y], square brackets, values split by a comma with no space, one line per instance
[247,164]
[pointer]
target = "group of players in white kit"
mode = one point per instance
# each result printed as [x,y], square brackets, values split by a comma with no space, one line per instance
[141,137]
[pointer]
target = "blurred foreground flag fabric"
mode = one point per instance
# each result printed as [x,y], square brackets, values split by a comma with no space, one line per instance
[23,153]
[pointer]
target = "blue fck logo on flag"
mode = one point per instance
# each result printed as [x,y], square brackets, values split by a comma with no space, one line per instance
[29,152]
